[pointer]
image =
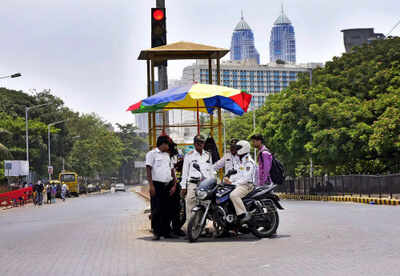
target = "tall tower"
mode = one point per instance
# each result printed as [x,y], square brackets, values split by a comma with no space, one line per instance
[242,45]
[282,45]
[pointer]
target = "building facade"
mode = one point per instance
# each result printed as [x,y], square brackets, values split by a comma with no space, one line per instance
[258,80]
[242,44]
[358,37]
[282,45]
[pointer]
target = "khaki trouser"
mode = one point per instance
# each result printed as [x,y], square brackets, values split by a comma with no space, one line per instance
[190,200]
[236,197]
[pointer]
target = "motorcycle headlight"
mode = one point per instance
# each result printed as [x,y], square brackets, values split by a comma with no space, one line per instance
[201,194]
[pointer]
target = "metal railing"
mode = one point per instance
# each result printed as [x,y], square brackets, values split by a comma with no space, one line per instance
[353,185]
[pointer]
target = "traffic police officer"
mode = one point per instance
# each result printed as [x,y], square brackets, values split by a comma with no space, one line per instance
[191,177]
[243,180]
[160,174]
[229,159]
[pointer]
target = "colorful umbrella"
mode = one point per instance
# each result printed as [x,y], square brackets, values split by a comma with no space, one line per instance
[202,97]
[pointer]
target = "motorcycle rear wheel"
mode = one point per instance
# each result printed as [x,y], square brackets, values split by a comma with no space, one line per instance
[268,229]
[195,228]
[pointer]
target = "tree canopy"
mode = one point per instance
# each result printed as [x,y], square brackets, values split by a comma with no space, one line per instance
[83,143]
[347,121]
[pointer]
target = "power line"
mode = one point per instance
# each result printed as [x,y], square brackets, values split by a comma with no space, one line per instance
[395,26]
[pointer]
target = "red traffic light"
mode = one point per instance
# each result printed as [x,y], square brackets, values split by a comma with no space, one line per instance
[158,15]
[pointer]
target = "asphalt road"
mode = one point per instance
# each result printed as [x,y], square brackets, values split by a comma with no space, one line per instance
[108,235]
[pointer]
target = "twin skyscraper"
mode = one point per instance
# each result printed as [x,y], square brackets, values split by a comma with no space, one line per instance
[282,45]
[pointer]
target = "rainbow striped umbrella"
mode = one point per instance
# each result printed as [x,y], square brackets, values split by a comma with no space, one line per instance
[202,97]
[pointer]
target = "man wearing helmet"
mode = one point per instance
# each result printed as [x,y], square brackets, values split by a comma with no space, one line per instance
[229,159]
[243,179]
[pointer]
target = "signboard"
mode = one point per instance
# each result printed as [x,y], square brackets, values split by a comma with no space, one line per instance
[140,164]
[16,167]
[50,170]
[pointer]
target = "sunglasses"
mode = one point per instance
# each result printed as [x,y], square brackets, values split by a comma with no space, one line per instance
[199,143]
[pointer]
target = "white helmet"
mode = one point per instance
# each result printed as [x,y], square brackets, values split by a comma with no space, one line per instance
[243,147]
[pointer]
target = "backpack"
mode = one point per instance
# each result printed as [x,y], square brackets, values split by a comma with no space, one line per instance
[277,171]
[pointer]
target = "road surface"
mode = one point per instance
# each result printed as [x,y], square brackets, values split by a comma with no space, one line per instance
[108,235]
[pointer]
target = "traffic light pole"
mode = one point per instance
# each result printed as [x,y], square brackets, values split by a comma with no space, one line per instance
[162,71]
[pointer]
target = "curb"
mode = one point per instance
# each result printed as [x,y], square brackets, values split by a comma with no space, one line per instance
[145,196]
[355,199]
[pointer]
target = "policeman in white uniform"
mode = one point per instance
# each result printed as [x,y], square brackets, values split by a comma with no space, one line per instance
[160,174]
[243,180]
[191,177]
[229,159]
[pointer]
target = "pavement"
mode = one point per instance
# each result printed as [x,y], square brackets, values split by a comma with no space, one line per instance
[107,234]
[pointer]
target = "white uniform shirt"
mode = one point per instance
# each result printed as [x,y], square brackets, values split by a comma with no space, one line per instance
[246,169]
[160,164]
[204,161]
[226,162]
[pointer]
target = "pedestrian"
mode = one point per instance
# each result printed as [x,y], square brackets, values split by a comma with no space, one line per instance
[227,162]
[40,189]
[53,192]
[160,174]
[48,192]
[64,189]
[191,177]
[264,161]
[34,193]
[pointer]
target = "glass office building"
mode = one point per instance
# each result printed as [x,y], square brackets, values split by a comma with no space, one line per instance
[242,45]
[282,45]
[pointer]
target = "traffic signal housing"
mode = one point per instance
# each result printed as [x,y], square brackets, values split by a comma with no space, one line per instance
[158,27]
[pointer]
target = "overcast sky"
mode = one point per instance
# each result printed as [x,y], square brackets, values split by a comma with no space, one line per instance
[86,51]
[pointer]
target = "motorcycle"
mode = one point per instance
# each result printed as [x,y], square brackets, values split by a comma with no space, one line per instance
[214,204]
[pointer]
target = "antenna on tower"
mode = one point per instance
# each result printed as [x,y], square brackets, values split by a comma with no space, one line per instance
[242,17]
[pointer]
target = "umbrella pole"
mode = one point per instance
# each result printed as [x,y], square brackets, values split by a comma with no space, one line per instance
[198,118]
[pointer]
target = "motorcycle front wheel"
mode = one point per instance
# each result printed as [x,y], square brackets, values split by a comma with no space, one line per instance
[194,226]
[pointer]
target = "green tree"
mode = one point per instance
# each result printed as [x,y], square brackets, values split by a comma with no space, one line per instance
[347,122]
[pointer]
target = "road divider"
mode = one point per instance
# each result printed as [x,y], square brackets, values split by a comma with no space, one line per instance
[355,199]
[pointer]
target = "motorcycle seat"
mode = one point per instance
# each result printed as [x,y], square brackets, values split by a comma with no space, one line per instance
[256,190]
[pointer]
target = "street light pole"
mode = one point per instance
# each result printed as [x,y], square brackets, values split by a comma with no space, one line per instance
[48,141]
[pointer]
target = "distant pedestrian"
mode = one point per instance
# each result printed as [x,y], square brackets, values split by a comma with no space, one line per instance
[48,192]
[64,189]
[40,189]
[34,193]
[53,193]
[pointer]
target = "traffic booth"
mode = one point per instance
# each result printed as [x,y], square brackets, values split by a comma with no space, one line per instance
[205,98]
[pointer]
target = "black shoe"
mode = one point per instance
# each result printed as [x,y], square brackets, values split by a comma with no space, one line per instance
[155,238]
[179,233]
[245,219]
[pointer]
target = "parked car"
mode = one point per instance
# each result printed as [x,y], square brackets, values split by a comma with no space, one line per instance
[120,187]
[91,188]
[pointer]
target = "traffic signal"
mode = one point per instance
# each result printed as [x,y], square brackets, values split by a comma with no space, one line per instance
[158,27]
